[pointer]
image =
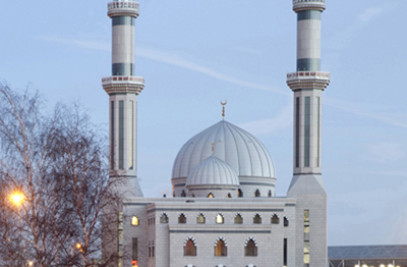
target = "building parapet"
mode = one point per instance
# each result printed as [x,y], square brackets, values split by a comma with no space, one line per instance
[308,80]
[299,5]
[123,84]
[127,8]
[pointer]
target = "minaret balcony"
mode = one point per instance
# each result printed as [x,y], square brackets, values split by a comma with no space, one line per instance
[123,84]
[299,5]
[318,80]
[124,8]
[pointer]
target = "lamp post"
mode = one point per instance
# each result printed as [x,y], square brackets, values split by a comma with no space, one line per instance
[17,198]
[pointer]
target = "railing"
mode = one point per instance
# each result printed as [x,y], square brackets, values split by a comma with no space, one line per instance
[114,5]
[119,79]
[308,74]
[302,1]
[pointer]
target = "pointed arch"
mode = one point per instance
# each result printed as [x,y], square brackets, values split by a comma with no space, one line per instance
[257,193]
[190,248]
[257,219]
[286,222]
[239,193]
[229,195]
[238,219]
[201,218]
[219,218]
[210,195]
[182,218]
[250,248]
[275,219]
[164,218]
[270,194]
[183,194]
[221,248]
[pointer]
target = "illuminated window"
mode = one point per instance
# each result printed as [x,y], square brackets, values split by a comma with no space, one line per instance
[229,195]
[182,218]
[210,195]
[257,219]
[219,218]
[200,218]
[134,253]
[134,221]
[221,249]
[190,248]
[306,239]
[275,219]
[257,193]
[286,222]
[164,218]
[250,248]
[238,219]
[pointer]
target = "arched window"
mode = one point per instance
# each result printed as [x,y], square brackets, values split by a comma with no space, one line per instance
[220,248]
[240,193]
[270,193]
[190,248]
[164,218]
[134,221]
[257,193]
[183,194]
[182,218]
[193,195]
[210,195]
[286,223]
[275,219]
[257,219]
[229,195]
[219,218]
[238,219]
[250,248]
[200,218]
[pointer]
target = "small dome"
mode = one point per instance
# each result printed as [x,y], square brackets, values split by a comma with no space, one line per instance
[212,171]
[241,150]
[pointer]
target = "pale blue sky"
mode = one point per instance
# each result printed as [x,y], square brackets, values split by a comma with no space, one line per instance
[195,53]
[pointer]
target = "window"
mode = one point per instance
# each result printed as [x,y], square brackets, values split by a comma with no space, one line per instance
[200,218]
[134,221]
[151,249]
[270,193]
[257,219]
[219,218]
[134,252]
[183,194]
[306,238]
[190,248]
[250,248]
[210,195]
[286,223]
[182,218]
[240,193]
[275,219]
[164,218]
[238,219]
[229,195]
[257,193]
[220,248]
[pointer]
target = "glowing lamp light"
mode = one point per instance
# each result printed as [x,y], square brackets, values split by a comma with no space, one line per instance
[30,263]
[17,198]
[134,263]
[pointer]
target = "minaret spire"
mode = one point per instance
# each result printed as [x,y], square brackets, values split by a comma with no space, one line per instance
[123,87]
[306,186]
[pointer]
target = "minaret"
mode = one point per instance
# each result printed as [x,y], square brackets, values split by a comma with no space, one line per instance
[123,87]
[306,186]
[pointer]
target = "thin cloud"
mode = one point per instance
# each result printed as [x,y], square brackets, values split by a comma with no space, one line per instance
[370,13]
[283,120]
[168,58]
[176,60]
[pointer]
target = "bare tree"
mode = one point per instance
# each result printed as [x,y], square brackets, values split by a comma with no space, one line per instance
[59,163]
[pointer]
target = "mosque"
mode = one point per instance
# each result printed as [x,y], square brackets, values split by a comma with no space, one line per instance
[223,210]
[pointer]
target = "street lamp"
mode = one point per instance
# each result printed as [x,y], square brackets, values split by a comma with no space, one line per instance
[17,198]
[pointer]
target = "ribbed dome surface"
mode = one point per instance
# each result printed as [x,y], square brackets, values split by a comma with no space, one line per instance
[238,148]
[212,171]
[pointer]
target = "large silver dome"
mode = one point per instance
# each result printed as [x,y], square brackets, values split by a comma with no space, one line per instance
[242,151]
